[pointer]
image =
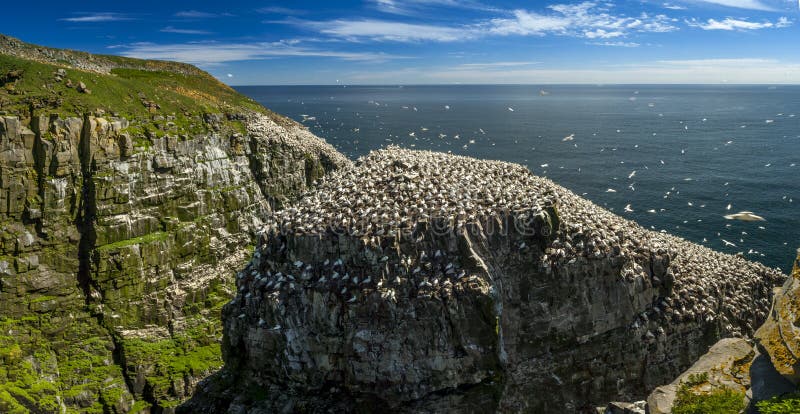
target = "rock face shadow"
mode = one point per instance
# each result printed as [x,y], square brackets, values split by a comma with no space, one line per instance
[765,381]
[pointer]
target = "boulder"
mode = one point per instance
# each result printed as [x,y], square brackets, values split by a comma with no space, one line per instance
[625,408]
[725,365]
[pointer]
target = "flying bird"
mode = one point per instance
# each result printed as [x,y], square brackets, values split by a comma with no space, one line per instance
[744,216]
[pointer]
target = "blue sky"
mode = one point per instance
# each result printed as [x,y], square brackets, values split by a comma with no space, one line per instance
[436,41]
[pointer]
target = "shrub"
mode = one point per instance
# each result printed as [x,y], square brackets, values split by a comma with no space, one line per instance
[789,403]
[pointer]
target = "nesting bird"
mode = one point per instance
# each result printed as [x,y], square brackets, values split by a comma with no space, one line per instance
[388,207]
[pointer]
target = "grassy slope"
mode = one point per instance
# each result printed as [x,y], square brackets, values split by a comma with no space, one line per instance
[122,91]
[178,88]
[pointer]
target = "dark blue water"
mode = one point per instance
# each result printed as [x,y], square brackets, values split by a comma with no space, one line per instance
[695,149]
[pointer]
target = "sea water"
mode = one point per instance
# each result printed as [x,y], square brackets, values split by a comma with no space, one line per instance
[677,156]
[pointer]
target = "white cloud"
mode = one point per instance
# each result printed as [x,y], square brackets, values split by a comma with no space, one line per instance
[673,6]
[740,4]
[412,7]
[280,10]
[214,53]
[602,34]
[97,17]
[700,71]
[695,63]
[582,20]
[194,14]
[492,65]
[737,24]
[585,19]
[170,29]
[382,30]
[390,6]
[616,44]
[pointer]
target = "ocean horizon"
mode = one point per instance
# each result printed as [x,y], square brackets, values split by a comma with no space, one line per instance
[672,157]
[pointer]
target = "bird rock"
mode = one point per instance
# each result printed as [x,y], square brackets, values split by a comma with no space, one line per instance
[492,290]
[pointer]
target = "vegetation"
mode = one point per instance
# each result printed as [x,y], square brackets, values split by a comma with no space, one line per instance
[71,337]
[717,401]
[132,93]
[168,363]
[147,238]
[38,374]
[789,403]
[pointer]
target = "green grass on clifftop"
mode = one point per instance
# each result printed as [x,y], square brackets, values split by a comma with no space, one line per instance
[27,84]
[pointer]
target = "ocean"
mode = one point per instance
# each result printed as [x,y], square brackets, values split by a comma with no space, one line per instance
[677,156]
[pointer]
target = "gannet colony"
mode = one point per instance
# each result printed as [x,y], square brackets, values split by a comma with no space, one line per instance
[425,282]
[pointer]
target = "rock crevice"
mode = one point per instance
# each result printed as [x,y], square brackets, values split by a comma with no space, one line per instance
[118,248]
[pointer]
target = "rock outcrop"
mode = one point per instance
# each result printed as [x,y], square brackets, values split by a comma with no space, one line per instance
[755,373]
[120,236]
[779,337]
[725,366]
[424,282]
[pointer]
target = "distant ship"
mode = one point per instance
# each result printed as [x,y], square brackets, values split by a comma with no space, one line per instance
[543,92]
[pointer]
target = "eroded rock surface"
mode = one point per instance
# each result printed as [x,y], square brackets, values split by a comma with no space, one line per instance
[424,282]
[780,334]
[118,248]
[725,366]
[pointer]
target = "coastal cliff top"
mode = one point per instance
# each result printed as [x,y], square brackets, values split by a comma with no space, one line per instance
[43,80]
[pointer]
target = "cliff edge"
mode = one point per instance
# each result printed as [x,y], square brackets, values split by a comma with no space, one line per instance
[130,193]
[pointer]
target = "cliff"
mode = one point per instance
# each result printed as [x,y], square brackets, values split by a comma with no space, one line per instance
[425,282]
[758,376]
[130,193]
[779,337]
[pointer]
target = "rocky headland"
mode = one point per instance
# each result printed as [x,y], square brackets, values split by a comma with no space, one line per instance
[424,282]
[126,207]
[156,225]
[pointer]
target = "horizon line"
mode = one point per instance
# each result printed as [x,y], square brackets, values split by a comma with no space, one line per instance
[522,84]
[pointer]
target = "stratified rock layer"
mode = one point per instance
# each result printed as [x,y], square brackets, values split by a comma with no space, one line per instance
[118,248]
[424,282]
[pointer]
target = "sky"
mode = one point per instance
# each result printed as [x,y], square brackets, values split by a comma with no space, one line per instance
[435,41]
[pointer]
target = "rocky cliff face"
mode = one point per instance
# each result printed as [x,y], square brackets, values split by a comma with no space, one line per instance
[422,282]
[779,337]
[120,236]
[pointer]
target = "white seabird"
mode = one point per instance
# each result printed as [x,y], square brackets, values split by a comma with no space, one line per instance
[744,216]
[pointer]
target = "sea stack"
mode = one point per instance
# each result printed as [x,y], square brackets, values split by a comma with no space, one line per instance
[424,282]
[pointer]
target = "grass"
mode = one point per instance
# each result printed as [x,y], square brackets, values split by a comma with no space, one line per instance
[66,352]
[789,403]
[193,353]
[147,238]
[122,92]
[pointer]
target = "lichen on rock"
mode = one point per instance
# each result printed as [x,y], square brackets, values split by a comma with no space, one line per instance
[779,337]
[121,228]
